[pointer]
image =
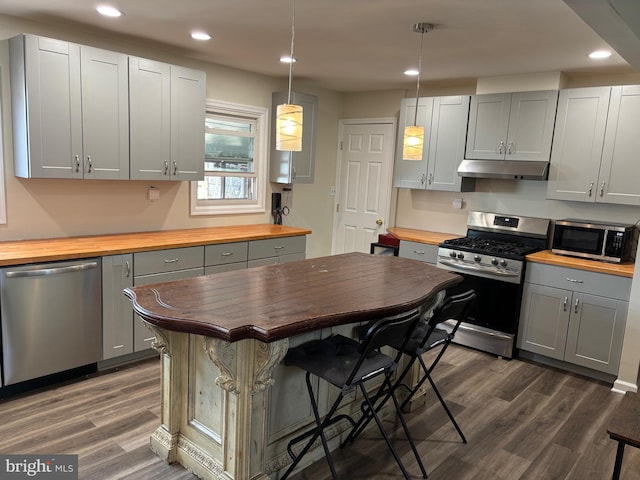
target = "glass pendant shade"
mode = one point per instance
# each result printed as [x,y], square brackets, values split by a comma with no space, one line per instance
[289,127]
[413,143]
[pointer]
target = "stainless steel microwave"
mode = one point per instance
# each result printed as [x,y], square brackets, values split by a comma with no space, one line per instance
[607,242]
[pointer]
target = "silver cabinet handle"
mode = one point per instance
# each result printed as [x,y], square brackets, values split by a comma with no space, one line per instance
[293,172]
[575,307]
[227,254]
[564,304]
[166,167]
[175,167]
[422,179]
[419,252]
[501,147]
[510,148]
[77,163]
[602,189]
[590,188]
[171,260]
[127,269]
[430,180]
[278,247]
[90,163]
[573,280]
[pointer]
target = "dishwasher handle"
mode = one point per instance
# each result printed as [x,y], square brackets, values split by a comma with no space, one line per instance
[40,272]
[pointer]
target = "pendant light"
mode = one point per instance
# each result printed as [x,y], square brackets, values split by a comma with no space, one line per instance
[413,140]
[288,115]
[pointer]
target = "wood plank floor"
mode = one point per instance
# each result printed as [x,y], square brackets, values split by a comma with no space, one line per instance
[522,421]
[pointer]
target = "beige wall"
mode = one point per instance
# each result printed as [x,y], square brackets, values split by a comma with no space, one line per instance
[39,208]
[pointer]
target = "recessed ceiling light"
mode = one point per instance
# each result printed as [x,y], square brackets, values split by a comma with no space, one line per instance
[412,72]
[599,54]
[287,60]
[200,36]
[109,11]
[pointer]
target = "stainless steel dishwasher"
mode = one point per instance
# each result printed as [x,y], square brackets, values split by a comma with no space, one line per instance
[51,315]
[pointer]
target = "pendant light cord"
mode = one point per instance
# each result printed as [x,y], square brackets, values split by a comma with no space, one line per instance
[293,36]
[415,118]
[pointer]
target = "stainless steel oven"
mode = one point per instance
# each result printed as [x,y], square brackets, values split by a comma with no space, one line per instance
[491,259]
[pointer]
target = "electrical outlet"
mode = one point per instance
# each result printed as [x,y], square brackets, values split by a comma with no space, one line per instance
[457,203]
[153,194]
[332,191]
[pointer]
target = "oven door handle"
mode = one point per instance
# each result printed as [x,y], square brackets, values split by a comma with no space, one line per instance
[471,267]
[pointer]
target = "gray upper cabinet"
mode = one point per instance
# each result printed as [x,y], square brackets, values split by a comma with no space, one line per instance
[511,126]
[70,110]
[595,145]
[445,122]
[167,107]
[295,167]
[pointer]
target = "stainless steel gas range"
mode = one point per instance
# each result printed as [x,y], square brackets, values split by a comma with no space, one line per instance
[491,258]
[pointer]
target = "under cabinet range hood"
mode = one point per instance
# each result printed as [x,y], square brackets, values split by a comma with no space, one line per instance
[506,169]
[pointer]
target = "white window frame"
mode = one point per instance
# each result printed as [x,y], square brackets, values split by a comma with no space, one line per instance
[260,163]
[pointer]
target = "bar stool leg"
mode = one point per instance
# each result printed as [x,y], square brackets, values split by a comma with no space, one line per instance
[618,465]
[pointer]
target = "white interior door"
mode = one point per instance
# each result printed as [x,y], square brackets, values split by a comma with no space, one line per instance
[365,170]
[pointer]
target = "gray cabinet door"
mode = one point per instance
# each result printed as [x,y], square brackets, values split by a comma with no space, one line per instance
[544,319]
[446,145]
[577,144]
[413,173]
[117,313]
[47,122]
[616,183]
[295,167]
[596,332]
[150,119]
[512,126]
[488,123]
[188,104]
[105,114]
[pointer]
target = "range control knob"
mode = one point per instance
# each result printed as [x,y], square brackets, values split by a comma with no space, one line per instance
[503,263]
[494,261]
[477,258]
[452,254]
[460,255]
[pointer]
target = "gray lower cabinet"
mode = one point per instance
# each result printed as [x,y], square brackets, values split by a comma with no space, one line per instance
[574,316]
[123,332]
[163,266]
[418,251]
[117,314]
[276,250]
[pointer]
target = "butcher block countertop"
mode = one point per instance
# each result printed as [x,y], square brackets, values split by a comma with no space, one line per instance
[422,236]
[546,257]
[55,249]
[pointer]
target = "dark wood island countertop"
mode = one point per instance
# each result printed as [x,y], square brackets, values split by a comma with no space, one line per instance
[278,301]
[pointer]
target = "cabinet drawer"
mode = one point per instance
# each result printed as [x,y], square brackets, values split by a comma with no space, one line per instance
[611,286]
[226,267]
[418,251]
[276,247]
[261,262]
[169,260]
[167,276]
[224,253]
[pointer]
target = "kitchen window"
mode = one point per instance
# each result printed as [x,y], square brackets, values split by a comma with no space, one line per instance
[235,162]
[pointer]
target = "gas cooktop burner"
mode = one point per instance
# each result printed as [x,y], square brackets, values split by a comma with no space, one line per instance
[491,246]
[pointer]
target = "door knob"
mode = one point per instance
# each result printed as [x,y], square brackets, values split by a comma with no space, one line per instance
[379,221]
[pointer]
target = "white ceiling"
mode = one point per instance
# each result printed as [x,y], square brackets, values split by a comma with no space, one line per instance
[354,45]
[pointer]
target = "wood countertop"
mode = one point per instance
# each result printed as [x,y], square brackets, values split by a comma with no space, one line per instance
[545,256]
[548,258]
[421,236]
[54,249]
[283,300]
